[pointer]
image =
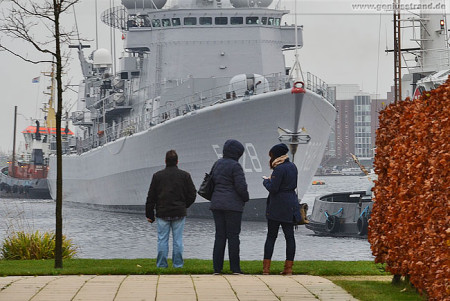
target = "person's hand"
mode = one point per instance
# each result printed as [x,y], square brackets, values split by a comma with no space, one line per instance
[265,177]
[150,220]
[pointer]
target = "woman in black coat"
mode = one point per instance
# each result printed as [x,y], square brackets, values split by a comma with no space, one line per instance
[282,206]
[227,204]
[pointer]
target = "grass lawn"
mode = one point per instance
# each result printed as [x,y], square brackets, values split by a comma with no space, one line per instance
[362,290]
[380,290]
[191,266]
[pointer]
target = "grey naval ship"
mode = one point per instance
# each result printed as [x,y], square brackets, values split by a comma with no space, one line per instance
[193,75]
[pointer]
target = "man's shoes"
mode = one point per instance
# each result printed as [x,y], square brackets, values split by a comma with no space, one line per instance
[216,273]
[238,273]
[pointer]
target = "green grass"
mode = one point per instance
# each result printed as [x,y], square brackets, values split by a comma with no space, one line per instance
[363,290]
[380,290]
[191,266]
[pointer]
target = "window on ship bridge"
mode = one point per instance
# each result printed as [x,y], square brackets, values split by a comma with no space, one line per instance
[277,22]
[271,21]
[156,23]
[190,21]
[251,20]
[176,22]
[221,20]
[236,20]
[264,20]
[165,22]
[205,21]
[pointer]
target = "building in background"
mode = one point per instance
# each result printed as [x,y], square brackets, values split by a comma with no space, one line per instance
[355,127]
[330,150]
[362,130]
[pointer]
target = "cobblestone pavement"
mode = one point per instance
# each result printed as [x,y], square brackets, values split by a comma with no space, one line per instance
[170,288]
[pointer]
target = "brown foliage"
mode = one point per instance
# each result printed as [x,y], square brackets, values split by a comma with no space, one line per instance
[409,228]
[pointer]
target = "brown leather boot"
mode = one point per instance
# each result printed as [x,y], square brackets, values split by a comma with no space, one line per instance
[287,268]
[266,266]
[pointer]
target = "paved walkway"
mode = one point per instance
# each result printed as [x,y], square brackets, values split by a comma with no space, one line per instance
[170,288]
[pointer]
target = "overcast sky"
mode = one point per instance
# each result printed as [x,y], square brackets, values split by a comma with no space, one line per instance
[341,46]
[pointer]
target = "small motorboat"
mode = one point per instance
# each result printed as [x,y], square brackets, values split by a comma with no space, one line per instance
[319,182]
[341,214]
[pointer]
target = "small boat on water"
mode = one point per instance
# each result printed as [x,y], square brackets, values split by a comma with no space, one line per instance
[318,182]
[25,175]
[351,171]
[341,214]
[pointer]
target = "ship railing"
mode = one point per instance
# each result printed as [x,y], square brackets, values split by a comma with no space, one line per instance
[65,145]
[224,93]
[118,17]
[436,59]
[317,85]
[236,90]
[115,17]
[174,108]
[112,133]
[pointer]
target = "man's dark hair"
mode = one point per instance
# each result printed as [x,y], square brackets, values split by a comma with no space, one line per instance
[171,158]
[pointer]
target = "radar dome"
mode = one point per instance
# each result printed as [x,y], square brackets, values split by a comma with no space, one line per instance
[102,58]
[132,4]
[250,3]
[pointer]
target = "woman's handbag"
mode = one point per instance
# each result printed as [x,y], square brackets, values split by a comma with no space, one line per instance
[206,189]
[303,214]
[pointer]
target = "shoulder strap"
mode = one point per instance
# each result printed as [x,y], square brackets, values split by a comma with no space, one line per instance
[212,168]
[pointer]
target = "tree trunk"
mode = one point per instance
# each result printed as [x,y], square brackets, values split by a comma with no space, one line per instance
[59,223]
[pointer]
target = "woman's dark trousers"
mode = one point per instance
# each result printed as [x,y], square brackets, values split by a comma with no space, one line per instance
[272,233]
[228,227]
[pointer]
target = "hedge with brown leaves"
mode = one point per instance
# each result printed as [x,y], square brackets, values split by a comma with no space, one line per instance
[409,228]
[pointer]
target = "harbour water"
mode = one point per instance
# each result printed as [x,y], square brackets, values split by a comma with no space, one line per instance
[104,234]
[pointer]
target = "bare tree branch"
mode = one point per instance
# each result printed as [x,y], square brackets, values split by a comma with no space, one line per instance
[24,58]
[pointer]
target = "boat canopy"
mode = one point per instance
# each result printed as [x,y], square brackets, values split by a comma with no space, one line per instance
[44,130]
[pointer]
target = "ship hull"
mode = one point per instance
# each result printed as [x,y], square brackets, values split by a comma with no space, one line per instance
[11,187]
[118,174]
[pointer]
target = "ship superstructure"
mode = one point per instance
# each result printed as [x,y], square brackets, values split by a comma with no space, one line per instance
[427,57]
[194,75]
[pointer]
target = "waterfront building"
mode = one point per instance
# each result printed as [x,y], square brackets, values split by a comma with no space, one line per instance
[355,127]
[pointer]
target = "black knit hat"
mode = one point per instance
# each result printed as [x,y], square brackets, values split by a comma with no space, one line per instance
[279,150]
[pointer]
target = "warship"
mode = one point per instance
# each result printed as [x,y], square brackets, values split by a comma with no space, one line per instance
[192,76]
[427,55]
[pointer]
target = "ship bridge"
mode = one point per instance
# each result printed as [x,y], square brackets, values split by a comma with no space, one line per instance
[204,42]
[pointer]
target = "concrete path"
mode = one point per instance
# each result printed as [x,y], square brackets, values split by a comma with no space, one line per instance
[170,288]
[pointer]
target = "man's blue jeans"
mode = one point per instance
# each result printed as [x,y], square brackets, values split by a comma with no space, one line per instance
[164,227]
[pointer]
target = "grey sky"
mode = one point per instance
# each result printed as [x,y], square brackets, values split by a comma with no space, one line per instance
[340,46]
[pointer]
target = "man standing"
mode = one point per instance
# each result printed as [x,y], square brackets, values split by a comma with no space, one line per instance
[171,192]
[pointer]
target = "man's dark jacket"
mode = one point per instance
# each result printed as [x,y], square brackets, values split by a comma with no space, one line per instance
[230,187]
[171,192]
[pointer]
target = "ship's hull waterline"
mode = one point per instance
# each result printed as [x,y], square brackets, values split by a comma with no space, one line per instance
[117,175]
[23,188]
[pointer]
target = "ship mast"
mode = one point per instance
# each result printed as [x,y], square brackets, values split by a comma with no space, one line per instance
[51,116]
[13,161]
[397,53]
[296,67]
